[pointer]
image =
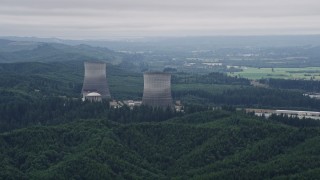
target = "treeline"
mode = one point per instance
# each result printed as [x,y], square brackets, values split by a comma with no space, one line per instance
[141,114]
[252,97]
[294,121]
[47,79]
[211,78]
[42,85]
[306,85]
[44,111]
[51,110]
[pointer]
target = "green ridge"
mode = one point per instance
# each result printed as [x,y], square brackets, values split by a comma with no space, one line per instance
[206,145]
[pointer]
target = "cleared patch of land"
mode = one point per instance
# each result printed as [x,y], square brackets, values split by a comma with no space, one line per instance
[307,73]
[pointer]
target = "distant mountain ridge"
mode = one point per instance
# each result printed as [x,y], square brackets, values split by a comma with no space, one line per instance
[201,42]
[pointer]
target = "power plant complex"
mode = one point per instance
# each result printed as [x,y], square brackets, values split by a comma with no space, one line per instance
[157,89]
[95,81]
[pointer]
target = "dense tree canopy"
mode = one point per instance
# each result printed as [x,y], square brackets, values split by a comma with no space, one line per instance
[47,132]
[204,145]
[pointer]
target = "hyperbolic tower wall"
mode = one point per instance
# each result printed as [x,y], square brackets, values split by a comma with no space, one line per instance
[157,89]
[95,79]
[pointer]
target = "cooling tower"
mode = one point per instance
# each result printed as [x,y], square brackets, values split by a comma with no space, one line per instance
[95,79]
[157,89]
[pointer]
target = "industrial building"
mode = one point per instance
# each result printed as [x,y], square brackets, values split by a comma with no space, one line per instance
[93,97]
[157,89]
[290,113]
[95,80]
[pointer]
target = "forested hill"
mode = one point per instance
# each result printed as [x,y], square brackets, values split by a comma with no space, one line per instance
[21,51]
[205,145]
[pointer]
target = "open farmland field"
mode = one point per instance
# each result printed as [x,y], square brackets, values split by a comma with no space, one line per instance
[279,73]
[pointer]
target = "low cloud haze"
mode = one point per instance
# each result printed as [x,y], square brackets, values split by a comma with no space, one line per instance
[95,19]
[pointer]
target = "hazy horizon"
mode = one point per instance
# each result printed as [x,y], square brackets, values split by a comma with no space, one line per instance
[100,19]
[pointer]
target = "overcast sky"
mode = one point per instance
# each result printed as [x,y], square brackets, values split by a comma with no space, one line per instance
[101,19]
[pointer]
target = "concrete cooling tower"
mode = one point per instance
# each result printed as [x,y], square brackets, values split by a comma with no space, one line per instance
[95,79]
[157,89]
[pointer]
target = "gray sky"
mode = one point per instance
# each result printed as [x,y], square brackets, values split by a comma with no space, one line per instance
[95,19]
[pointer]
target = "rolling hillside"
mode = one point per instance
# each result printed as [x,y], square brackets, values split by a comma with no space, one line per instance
[206,145]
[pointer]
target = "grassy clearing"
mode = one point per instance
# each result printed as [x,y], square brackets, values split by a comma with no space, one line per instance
[280,73]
